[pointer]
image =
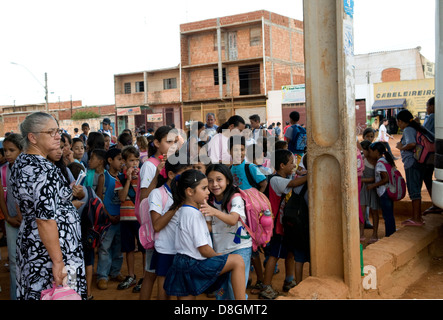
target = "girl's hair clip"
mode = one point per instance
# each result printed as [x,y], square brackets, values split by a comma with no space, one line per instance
[177,177]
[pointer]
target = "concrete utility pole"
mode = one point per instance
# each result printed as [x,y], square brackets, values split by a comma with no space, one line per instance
[332,153]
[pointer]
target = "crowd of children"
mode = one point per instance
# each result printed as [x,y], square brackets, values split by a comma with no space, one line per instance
[201,244]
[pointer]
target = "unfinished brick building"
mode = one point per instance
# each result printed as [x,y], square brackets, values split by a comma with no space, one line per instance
[229,64]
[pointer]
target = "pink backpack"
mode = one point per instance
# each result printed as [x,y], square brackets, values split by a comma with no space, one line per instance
[155,162]
[60,293]
[259,218]
[423,148]
[4,174]
[146,233]
[397,186]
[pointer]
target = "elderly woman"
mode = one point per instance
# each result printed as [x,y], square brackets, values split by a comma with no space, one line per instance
[49,246]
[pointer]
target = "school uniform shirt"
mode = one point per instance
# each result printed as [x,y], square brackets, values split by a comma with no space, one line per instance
[127,207]
[111,200]
[240,178]
[227,238]
[380,167]
[407,156]
[147,174]
[165,239]
[192,232]
[278,188]
[218,149]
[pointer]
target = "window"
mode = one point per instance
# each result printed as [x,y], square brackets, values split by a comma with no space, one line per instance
[127,87]
[216,76]
[169,83]
[139,86]
[254,36]
[249,78]
[222,41]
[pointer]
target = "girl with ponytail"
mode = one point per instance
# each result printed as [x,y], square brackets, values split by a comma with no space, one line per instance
[414,178]
[378,151]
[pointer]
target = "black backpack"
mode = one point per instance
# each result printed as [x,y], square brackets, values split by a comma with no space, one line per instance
[94,221]
[296,221]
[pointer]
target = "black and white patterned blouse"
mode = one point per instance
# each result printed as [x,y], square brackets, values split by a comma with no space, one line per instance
[42,193]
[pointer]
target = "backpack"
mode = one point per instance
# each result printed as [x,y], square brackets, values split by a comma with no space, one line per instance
[299,139]
[4,174]
[397,186]
[95,222]
[136,195]
[146,233]
[424,148]
[257,207]
[295,221]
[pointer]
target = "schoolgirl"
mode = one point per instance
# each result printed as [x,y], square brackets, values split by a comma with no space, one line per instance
[378,151]
[224,208]
[165,225]
[196,267]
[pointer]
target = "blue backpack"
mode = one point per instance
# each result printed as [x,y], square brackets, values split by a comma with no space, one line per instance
[298,140]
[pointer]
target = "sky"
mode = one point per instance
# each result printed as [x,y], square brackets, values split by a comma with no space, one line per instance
[82,44]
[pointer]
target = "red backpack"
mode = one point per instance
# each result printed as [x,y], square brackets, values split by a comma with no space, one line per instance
[259,218]
[423,148]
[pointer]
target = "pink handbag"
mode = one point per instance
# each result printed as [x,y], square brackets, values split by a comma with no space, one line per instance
[60,293]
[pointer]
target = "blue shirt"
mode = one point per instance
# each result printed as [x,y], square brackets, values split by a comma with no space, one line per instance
[240,178]
[110,196]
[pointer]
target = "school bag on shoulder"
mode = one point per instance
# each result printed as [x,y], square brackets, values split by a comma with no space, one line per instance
[95,221]
[299,139]
[397,186]
[424,148]
[295,221]
[259,218]
[136,200]
[146,233]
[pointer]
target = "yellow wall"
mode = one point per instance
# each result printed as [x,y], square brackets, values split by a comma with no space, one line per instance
[416,93]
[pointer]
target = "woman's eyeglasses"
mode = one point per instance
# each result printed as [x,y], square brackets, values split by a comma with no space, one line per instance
[52,132]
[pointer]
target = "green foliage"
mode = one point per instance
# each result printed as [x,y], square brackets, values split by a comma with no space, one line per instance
[79,115]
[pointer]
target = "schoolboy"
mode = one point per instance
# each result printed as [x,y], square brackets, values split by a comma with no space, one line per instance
[110,258]
[279,188]
[243,179]
[126,185]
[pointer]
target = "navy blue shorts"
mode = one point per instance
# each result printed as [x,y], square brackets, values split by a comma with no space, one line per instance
[277,248]
[161,263]
[129,235]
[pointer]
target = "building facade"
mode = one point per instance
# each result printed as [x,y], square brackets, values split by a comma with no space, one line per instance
[382,78]
[229,64]
[148,99]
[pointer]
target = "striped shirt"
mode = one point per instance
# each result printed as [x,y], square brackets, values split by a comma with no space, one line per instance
[127,207]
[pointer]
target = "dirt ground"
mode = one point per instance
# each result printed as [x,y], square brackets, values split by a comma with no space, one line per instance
[429,286]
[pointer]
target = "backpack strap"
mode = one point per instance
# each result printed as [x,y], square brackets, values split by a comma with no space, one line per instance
[251,179]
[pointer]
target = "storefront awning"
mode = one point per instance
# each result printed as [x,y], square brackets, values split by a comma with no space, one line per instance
[389,104]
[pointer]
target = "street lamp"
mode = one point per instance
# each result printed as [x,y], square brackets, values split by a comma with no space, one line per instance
[45,86]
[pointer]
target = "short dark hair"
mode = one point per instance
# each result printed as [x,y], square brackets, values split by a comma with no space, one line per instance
[99,153]
[112,153]
[281,156]
[255,117]
[295,116]
[127,150]
[233,140]
[85,125]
